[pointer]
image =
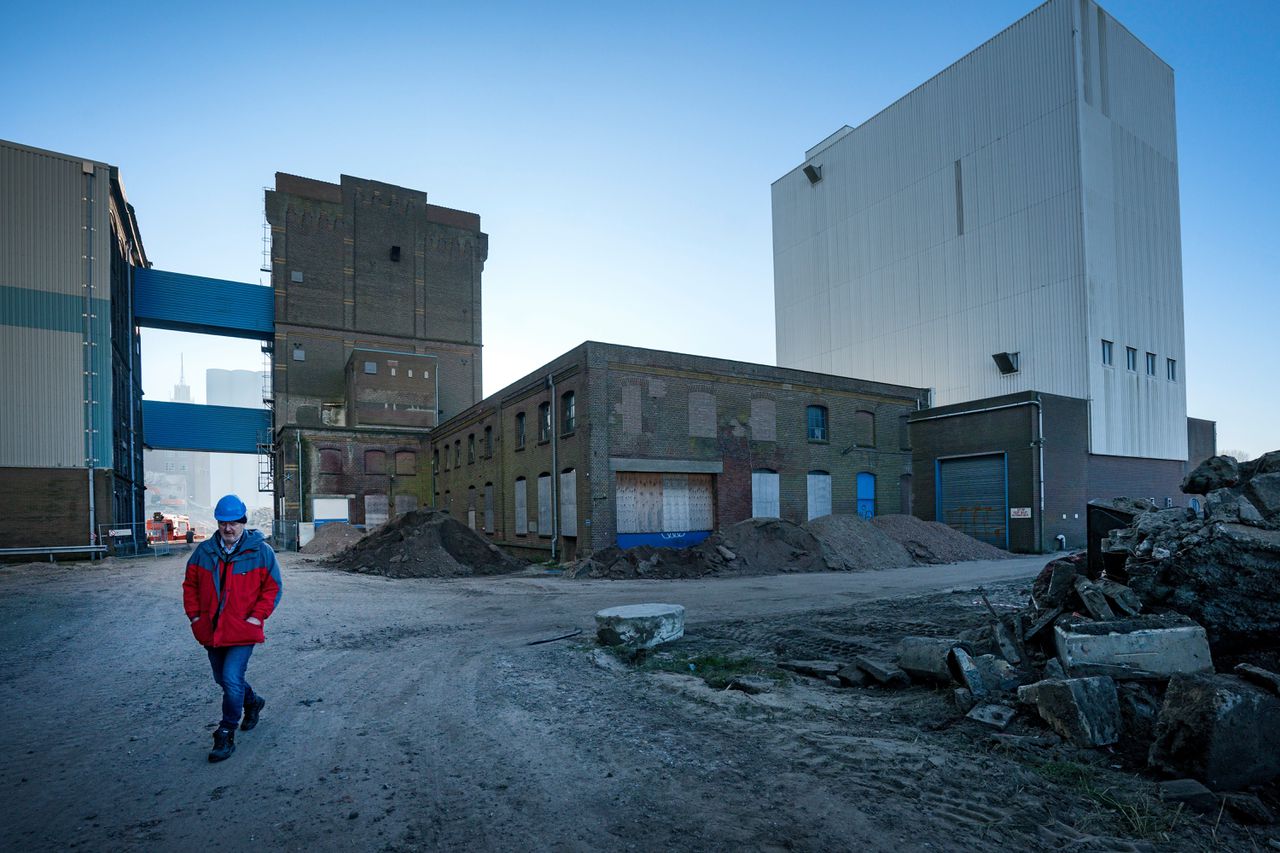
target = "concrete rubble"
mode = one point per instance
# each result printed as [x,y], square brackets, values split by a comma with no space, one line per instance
[1085,711]
[640,626]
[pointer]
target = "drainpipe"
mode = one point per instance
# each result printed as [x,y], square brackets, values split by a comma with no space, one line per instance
[1038,443]
[89,343]
[133,425]
[297,536]
[555,470]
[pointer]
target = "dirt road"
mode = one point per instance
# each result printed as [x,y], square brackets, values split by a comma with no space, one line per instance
[411,714]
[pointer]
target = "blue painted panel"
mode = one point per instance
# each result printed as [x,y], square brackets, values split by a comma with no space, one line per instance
[214,429]
[686,539]
[209,306]
[866,494]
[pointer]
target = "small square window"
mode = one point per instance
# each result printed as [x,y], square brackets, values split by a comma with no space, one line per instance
[296,276]
[395,254]
[299,354]
[371,367]
[410,372]
[1106,352]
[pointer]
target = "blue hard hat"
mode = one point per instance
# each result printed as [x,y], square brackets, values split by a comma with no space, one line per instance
[230,508]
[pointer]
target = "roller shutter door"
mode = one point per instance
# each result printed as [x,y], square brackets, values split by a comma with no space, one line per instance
[973,497]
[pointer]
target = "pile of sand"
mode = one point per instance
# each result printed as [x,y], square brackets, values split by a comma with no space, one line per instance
[930,542]
[331,538]
[851,543]
[426,543]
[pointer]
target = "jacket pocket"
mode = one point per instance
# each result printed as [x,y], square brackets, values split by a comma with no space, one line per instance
[201,630]
[238,631]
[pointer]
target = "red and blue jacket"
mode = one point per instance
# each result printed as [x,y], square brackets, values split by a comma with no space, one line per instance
[224,590]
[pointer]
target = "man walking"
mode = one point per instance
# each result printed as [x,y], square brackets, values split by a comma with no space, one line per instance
[232,585]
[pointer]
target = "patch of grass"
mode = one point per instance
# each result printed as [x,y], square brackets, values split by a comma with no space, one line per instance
[1138,814]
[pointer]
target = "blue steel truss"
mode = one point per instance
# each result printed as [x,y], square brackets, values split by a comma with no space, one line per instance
[213,429]
[208,306]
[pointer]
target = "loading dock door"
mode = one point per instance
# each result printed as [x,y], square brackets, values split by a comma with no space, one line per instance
[973,497]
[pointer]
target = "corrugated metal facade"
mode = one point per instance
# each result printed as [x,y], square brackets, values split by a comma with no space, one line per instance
[210,306]
[964,220]
[214,429]
[54,243]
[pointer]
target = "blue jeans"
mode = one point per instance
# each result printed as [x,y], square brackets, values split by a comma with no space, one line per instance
[229,664]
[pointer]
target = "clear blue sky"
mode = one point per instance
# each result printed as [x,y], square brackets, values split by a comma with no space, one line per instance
[620,156]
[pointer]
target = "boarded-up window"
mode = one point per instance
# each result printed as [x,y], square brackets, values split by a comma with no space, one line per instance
[488,507]
[702,415]
[544,505]
[568,503]
[488,441]
[406,462]
[330,461]
[864,429]
[519,430]
[819,494]
[764,494]
[764,419]
[664,503]
[406,503]
[471,507]
[375,462]
[632,413]
[522,506]
[375,510]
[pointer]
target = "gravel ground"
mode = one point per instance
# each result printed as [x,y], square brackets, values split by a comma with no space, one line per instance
[412,715]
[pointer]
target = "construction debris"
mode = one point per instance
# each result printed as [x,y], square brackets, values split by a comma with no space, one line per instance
[996,716]
[1085,711]
[331,538]
[883,672]
[640,626]
[1152,647]
[1196,796]
[925,658]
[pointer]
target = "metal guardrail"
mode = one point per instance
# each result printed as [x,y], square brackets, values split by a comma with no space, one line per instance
[93,550]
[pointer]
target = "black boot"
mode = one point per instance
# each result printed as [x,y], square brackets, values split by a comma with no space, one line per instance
[224,743]
[251,712]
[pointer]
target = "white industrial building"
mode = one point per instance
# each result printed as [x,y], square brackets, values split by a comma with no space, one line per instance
[1023,201]
[1007,235]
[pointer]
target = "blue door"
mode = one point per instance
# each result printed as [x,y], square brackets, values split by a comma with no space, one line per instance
[866,495]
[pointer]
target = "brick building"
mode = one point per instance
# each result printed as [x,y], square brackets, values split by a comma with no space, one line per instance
[1016,470]
[610,444]
[377,337]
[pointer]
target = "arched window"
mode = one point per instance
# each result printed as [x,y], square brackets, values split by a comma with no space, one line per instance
[544,422]
[521,497]
[488,441]
[519,430]
[764,494]
[375,462]
[488,507]
[544,504]
[817,423]
[330,461]
[406,463]
[457,453]
[435,461]
[568,413]
[866,494]
[819,494]
[471,448]
[864,428]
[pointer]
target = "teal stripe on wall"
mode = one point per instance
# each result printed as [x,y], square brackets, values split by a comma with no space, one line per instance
[57,312]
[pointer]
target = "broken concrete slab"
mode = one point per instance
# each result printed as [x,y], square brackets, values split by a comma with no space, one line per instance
[834,681]
[1053,669]
[1042,621]
[1259,676]
[1004,640]
[996,716]
[640,626]
[1216,472]
[1093,599]
[853,676]
[1263,492]
[882,671]
[1120,595]
[1150,647]
[1053,585]
[964,669]
[752,684]
[811,668]
[925,658]
[964,699]
[1247,808]
[1085,711]
[1190,792]
[1220,729]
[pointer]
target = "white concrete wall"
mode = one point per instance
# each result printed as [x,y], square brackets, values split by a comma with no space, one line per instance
[899,266]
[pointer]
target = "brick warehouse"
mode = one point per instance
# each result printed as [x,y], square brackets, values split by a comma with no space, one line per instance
[1016,470]
[611,444]
[378,336]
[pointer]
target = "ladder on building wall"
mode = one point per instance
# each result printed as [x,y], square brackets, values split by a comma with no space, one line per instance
[266,447]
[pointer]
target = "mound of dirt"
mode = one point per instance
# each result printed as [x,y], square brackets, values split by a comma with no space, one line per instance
[931,543]
[331,538]
[426,543]
[851,543]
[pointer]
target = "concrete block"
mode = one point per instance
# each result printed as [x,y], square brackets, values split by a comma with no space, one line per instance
[964,699]
[1220,729]
[964,669]
[1120,595]
[1149,647]
[1093,599]
[996,716]
[1259,676]
[1196,796]
[853,676]
[640,626]
[1085,711]
[883,672]
[925,658]
[1247,808]
[811,668]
